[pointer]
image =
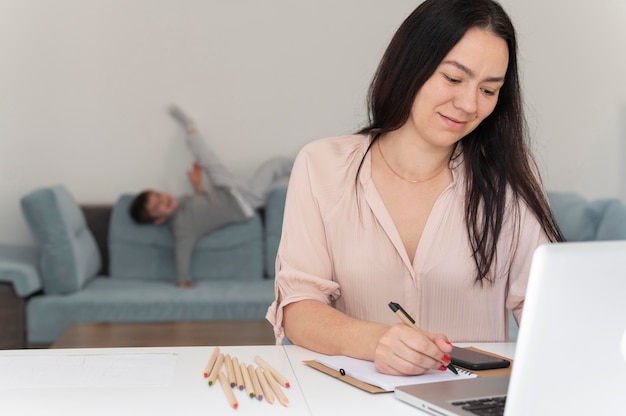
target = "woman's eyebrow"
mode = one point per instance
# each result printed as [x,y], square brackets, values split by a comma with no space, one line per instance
[470,73]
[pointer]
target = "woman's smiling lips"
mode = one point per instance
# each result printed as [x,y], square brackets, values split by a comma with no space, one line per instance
[453,123]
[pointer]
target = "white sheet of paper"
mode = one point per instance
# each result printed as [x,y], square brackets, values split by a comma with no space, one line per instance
[98,370]
[365,371]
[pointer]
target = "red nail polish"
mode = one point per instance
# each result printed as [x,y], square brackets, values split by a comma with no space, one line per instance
[448,342]
[446,358]
[442,368]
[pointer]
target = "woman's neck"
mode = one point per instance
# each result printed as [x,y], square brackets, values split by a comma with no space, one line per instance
[412,160]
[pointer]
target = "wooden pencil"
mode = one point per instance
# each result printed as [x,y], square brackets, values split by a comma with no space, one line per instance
[246,380]
[267,390]
[277,389]
[216,369]
[238,375]
[211,362]
[230,371]
[255,382]
[277,376]
[228,391]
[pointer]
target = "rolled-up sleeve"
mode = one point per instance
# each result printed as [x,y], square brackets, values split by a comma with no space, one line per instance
[303,263]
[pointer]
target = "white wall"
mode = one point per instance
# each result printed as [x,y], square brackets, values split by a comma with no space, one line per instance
[573,57]
[84,87]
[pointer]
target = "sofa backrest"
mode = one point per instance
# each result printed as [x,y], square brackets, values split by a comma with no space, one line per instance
[582,220]
[146,251]
[69,254]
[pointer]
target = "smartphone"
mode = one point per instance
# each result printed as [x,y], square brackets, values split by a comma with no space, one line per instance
[473,360]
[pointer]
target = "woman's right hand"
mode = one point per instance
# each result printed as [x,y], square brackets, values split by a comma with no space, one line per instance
[404,351]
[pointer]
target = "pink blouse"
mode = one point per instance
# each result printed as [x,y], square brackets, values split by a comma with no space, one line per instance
[340,246]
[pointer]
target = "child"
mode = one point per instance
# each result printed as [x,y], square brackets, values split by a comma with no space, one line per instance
[225,200]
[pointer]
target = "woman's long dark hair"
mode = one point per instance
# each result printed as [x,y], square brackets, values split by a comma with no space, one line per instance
[496,153]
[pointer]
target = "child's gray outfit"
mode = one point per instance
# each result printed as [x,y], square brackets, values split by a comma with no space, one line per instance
[226,200]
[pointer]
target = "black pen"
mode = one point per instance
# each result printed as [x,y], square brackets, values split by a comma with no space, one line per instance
[407,320]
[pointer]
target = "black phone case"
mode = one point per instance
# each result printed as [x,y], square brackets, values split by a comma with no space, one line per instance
[491,364]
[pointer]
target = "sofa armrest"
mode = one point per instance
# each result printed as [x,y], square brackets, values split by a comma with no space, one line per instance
[19,266]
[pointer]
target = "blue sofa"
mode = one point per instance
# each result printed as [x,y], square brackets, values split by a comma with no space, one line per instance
[582,220]
[131,277]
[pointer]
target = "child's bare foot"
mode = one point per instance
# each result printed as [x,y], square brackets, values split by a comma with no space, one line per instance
[186,284]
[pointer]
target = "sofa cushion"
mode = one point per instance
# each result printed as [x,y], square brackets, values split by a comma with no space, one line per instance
[146,251]
[69,254]
[571,214]
[612,219]
[117,300]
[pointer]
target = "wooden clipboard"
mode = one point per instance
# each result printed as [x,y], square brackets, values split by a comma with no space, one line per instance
[347,379]
[375,389]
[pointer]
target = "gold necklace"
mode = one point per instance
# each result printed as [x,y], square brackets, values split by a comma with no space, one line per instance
[402,177]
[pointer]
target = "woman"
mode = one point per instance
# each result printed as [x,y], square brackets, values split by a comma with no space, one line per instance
[436,204]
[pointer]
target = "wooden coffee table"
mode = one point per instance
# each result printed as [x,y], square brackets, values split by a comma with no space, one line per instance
[165,334]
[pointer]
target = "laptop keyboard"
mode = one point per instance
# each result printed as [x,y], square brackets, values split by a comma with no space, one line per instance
[488,406]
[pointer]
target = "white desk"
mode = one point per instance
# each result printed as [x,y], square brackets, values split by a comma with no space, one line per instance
[311,392]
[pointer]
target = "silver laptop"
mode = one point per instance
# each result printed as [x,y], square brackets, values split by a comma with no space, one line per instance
[570,356]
